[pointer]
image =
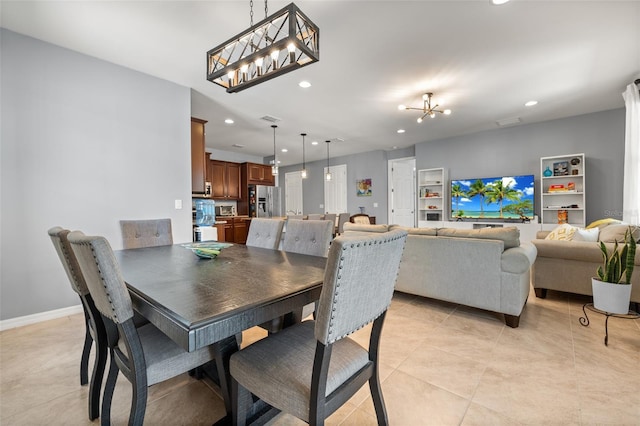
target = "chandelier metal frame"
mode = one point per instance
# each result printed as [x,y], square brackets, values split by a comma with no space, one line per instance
[427,109]
[280,43]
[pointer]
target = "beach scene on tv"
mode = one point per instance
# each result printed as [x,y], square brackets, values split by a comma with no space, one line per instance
[497,198]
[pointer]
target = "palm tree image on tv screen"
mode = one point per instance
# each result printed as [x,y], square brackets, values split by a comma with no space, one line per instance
[501,198]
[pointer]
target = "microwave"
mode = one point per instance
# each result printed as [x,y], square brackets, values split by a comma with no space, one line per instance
[225,210]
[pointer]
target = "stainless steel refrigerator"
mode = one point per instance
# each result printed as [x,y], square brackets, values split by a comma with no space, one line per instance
[264,201]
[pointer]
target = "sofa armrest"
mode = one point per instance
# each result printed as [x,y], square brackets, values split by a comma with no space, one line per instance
[518,260]
[584,251]
[541,235]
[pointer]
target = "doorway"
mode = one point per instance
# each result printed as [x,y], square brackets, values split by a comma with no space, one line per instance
[402,191]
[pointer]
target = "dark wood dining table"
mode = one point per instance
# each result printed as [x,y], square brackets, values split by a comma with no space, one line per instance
[200,302]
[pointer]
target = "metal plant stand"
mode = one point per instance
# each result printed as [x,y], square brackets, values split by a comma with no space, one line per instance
[585,320]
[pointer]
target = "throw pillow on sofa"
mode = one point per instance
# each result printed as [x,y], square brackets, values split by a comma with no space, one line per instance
[590,235]
[563,232]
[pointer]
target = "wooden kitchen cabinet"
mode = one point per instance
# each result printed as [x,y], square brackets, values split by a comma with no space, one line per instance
[234,230]
[258,174]
[225,180]
[198,163]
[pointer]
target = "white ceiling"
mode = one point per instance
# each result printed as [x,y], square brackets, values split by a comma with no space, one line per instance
[481,61]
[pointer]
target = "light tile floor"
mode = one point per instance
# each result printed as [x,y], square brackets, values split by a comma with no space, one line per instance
[442,364]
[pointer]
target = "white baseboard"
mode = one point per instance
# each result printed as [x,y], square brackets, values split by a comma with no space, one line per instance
[42,316]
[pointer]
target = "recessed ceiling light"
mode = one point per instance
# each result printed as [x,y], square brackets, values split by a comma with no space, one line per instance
[285,150]
[314,143]
[400,130]
[228,121]
[237,145]
[499,2]
[304,84]
[531,103]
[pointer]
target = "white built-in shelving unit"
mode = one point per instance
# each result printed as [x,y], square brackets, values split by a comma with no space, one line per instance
[562,182]
[433,201]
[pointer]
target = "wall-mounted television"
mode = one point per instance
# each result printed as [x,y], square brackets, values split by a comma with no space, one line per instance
[505,198]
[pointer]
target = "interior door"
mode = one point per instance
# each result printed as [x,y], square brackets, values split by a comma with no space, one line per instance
[402,192]
[293,193]
[335,190]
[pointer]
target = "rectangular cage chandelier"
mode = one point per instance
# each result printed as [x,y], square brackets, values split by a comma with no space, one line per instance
[280,43]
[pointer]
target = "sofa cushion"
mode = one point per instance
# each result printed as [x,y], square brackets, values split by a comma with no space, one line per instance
[613,233]
[563,232]
[361,227]
[416,231]
[510,236]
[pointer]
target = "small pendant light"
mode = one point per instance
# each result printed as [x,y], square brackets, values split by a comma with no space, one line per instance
[303,172]
[274,168]
[328,175]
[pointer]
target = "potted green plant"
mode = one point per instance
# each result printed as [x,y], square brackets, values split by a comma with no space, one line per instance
[612,287]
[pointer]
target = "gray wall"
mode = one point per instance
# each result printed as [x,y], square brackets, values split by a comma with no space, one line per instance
[85,143]
[512,150]
[517,150]
[371,164]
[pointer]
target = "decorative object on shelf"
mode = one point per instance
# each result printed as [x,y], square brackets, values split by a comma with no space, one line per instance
[274,168]
[427,108]
[561,168]
[328,175]
[612,287]
[574,162]
[280,43]
[547,172]
[303,172]
[361,210]
[563,216]
[363,187]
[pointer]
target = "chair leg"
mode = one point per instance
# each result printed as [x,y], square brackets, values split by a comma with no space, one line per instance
[107,396]
[84,361]
[96,378]
[138,402]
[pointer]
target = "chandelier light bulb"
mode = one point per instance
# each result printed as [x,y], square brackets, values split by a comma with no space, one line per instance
[274,58]
[274,170]
[433,114]
[230,75]
[402,107]
[303,173]
[419,120]
[292,52]
[425,97]
[328,176]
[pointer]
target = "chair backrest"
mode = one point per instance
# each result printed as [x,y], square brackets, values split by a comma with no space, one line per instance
[295,216]
[146,233]
[265,233]
[360,218]
[102,274]
[58,236]
[342,219]
[315,216]
[332,218]
[364,269]
[308,237]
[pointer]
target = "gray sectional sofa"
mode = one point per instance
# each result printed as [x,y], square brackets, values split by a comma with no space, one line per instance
[485,268]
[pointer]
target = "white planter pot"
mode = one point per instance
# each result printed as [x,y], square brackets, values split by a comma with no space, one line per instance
[611,298]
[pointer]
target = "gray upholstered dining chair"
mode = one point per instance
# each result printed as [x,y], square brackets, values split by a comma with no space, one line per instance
[265,233]
[144,355]
[310,369]
[342,219]
[94,327]
[308,237]
[332,218]
[315,216]
[146,233]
